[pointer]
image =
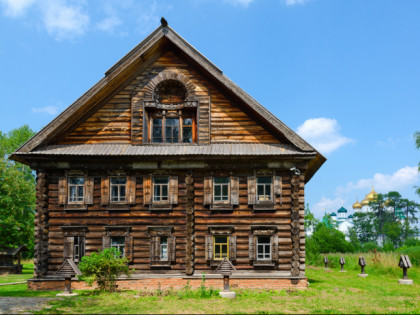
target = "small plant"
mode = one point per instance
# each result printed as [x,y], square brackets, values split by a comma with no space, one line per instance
[376,257]
[104,267]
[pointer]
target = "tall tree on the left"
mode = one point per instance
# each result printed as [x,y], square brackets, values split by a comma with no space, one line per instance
[17,192]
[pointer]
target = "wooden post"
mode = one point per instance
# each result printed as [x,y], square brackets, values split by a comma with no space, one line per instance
[67,285]
[226,282]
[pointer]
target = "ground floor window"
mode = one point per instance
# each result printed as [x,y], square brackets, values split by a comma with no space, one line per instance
[263,247]
[118,242]
[221,247]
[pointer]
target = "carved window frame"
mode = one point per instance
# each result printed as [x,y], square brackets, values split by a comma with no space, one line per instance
[156,233]
[259,231]
[69,234]
[276,191]
[220,230]
[64,190]
[119,231]
[233,193]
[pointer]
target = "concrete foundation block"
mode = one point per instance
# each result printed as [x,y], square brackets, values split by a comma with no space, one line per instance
[363,275]
[66,294]
[405,281]
[227,294]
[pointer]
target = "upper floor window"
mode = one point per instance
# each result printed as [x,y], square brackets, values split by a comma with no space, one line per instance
[264,188]
[221,189]
[118,188]
[76,187]
[168,126]
[160,189]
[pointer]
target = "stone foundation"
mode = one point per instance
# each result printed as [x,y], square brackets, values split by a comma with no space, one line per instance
[177,283]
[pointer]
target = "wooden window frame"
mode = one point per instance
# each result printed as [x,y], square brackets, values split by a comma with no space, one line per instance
[220,245]
[148,193]
[221,201]
[261,231]
[160,201]
[111,185]
[118,245]
[233,193]
[69,234]
[276,191]
[69,185]
[225,231]
[64,190]
[130,192]
[156,233]
[119,231]
[179,114]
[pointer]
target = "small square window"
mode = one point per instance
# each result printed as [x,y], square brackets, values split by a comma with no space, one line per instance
[76,189]
[118,189]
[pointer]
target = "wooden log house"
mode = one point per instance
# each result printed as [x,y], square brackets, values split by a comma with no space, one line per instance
[172,163]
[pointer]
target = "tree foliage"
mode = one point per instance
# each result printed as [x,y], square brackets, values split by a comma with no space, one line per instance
[104,267]
[329,240]
[17,193]
[417,141]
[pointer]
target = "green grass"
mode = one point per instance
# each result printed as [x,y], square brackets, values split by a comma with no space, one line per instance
[329,292]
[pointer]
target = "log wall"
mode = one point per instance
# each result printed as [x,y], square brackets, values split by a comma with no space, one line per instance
[120,120]
[189,218]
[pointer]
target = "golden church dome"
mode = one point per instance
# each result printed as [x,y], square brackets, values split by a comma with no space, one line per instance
[357,205]
[365,202]
[372,195]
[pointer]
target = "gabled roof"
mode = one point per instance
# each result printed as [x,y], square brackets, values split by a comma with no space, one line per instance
[137,60]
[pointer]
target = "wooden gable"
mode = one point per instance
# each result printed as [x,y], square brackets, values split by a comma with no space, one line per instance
[113,122]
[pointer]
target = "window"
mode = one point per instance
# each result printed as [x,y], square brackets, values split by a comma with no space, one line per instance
[221,189]
[221,247]
[221,193]
[264,188]
[162,247]
[119,237]
[118,242]
[263,247]
[172,126]
[76,189]
[160,189]
[74,242]
[118,188]
[160,192]
[220,244]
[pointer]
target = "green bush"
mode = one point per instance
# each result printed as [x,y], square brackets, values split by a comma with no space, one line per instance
[412,252]
[104,267]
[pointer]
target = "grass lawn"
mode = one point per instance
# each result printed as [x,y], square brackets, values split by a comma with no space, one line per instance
[330,292]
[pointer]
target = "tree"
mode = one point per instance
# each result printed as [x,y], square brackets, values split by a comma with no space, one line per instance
[330,240]
[104,267]
[17,193]
[310,220]
[364,226]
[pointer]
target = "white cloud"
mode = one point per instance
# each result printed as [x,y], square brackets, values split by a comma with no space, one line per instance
[64,20]
[108,24]
[323,134]
[327,205]
[15,8]
[243,3]
[50,110]
[294,2]
[403,178]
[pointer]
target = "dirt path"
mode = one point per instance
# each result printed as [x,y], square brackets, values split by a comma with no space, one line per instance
[22,305]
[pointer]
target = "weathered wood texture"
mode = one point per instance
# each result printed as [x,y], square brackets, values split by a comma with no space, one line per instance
[120,120]
[190,220]
[41,225]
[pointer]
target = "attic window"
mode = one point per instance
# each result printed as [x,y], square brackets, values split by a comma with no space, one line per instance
[170,92]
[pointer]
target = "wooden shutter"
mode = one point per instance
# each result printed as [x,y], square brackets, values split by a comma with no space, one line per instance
[277,185]
[232,247]
[82,246]
[131,190]
[106,242]
[208,186]
[147,190]
[62,190]
[209,247]
[155,248]
[234,190]
[105,190]
[173,190]
[129,248]
[252,190]
[68,247]
[172,248]
[251,247]
[275,247]
[89,185]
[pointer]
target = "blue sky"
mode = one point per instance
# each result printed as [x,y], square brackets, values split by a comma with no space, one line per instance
[344,74]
